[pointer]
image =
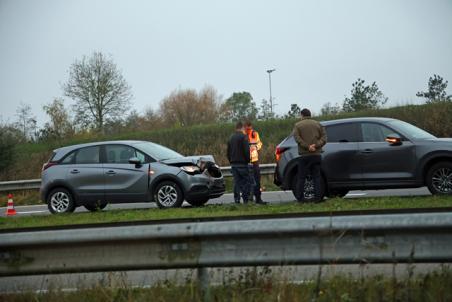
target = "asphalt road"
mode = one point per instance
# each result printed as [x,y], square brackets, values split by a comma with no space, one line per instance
[271,197]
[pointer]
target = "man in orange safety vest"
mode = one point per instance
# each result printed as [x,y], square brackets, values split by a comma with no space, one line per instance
[255,173]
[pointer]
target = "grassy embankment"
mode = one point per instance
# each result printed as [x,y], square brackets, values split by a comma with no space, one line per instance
[331,205]
[252,286]
[211,139]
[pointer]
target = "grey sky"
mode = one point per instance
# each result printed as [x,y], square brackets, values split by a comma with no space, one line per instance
[319,48]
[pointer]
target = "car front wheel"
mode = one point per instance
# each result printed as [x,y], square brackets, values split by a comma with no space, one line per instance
[168,194]
[439,178]
[60,200]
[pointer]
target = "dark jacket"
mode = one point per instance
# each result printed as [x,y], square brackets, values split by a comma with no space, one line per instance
[238,149]
[307,132]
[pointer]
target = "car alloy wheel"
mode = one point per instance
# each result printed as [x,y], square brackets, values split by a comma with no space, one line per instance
[167,195]
[60,201]
[442,180]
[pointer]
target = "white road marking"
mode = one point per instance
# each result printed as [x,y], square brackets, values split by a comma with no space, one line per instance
[30,212]
[356,194]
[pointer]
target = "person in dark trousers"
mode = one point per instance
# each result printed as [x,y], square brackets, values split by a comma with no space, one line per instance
[239,156]
[310,136]
[255,173]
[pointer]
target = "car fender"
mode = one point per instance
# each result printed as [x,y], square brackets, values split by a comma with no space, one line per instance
[56,184]
[428,158]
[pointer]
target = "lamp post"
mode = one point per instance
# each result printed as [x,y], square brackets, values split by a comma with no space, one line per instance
[269,71]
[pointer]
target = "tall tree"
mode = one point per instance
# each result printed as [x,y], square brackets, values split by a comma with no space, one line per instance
[364,97]
[26,121]
[99,89]
[265,111]
[186,107]
[436,90]
[239,106]
[294,111]
[59,125]
[330,109]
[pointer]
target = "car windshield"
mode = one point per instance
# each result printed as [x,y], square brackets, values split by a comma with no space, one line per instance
[411,131]
[156,151]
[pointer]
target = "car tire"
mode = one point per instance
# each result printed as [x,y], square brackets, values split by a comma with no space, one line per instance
[439,178]
[309,197]
[95,207]
[60,200]
[338,193]
[168,194]
[198,202]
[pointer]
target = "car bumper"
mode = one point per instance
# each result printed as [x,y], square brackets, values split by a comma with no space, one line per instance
[202,186]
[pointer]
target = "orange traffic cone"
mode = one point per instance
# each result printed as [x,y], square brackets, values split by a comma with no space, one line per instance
[10,211]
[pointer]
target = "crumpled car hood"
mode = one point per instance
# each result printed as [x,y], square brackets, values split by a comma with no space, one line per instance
[188,160]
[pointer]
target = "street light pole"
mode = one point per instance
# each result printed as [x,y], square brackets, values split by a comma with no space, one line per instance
[270,85]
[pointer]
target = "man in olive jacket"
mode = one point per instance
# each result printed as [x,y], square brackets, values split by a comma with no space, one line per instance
[310,137]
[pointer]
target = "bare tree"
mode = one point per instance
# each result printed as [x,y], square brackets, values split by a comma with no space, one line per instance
[99,89]
[26,121]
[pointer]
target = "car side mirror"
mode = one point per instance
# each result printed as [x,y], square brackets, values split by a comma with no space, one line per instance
[135,161]
[394,139]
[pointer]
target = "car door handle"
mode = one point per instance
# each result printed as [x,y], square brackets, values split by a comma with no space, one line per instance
[75,171]
[367,151]
[110,172]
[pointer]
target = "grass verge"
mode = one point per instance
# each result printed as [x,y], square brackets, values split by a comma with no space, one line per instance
[435,286]
[331,205]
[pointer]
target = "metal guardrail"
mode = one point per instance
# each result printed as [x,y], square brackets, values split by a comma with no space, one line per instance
[32,184]
[390,238]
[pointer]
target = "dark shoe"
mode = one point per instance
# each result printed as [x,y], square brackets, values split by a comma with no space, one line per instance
[261,202]
[237,201]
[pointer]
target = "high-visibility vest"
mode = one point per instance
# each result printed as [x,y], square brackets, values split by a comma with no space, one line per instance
[255,145]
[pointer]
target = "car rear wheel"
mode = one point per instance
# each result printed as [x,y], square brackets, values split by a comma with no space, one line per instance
[97,206]
[198,202]
[168,195]
[308,188]
[60,200]
[439,178]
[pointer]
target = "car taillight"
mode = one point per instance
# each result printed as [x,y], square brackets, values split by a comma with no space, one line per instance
[48,165]
[279,151]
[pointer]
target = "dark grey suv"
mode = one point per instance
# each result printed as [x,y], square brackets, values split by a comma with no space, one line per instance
[95,174]
[372,153]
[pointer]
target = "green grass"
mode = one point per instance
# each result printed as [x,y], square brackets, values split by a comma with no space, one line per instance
[332,205]
[249,287]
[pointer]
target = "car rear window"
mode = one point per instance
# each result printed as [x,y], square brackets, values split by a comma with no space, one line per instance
[88,155]
[343,133]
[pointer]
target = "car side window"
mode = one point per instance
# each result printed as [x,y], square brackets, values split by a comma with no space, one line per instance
[120,154]
[342,133]
[372,132]
[88,155]
[69,159]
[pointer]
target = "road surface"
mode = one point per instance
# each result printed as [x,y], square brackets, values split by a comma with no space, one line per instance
[271,197]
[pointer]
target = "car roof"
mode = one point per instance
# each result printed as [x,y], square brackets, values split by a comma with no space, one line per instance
[357,119]
[66,149]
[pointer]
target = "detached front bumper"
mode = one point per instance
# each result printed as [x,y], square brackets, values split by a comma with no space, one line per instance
[202,186]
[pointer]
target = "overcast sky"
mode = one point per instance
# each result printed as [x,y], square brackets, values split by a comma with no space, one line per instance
[319,48]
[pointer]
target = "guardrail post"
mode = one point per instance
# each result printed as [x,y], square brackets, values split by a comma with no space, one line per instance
[204,284]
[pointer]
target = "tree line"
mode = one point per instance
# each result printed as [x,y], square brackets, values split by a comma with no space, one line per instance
[103,105]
